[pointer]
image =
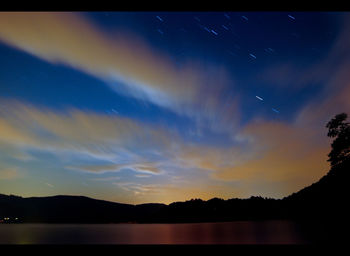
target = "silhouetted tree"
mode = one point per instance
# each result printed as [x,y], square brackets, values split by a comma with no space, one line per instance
[340,130]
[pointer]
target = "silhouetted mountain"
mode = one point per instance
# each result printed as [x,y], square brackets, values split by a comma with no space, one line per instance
[72,209]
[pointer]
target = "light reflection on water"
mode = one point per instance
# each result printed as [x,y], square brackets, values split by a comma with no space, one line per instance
[240,232]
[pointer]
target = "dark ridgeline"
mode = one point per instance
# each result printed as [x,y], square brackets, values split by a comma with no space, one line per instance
[325,200]
[71,209]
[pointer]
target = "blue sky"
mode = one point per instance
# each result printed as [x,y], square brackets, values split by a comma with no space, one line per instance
[142,107]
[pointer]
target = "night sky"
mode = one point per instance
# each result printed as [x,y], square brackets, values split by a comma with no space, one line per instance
[139,107]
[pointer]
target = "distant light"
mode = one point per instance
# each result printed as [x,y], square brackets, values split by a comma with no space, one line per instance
[259,98]
[159,18]
[244,17]
[290,16]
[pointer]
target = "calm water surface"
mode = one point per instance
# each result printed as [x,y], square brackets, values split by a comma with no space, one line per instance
[240,232]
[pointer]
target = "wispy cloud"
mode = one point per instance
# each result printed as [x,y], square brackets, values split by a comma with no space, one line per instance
[112,178]
[124,61]
[113,167]
[25,125]
[97,168]
[267,151]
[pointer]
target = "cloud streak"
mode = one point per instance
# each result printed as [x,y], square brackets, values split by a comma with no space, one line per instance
[105,168]
[124,61]
[268,152]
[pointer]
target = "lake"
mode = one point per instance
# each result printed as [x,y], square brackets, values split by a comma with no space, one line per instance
[239,232]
